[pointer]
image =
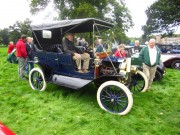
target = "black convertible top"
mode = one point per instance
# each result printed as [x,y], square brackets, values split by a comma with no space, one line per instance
[74,25]
[60,28]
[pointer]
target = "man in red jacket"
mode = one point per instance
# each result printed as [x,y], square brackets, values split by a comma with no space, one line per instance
[21,54]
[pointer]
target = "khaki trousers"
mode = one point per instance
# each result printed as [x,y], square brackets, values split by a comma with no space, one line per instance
[150,73]
[85,57]
[21,66]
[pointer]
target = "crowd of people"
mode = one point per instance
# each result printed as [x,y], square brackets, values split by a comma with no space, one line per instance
[25,54]
[149,55]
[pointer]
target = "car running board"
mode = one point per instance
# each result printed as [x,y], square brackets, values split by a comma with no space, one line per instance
[70,82]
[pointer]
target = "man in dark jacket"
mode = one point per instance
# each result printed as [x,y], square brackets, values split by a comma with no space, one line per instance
[137,47]
[78,55]
[30,52]
[21,54]
[150,57]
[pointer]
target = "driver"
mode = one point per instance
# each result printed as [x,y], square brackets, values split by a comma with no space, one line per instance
[78,55]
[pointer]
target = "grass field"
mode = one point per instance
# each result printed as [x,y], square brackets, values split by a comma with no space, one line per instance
[62,111]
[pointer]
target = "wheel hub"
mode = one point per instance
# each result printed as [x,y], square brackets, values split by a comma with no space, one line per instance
[177,65]
[114,98]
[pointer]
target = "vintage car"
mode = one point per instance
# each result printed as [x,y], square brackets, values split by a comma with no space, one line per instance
[175,49]
[171,60]
[170,55]
[114,80]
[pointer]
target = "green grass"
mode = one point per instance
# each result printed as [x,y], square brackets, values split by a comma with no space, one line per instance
[62,111]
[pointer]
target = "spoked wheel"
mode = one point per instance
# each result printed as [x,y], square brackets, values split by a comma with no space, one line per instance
[176,64]
[158,76]
[139,82]
[115,98]
[37,80]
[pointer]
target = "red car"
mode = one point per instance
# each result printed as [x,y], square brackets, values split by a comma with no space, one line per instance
[5,131]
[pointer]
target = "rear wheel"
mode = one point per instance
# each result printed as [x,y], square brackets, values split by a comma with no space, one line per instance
[158,76]
[115,98]
[176,64]
[139,82]
[37,80]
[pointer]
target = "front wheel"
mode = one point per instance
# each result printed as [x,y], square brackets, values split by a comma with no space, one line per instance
[115,98]
[139,82]
[37,80]
[176,64]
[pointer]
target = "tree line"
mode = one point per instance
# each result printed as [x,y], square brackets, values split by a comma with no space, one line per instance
[13,33]
[163,17]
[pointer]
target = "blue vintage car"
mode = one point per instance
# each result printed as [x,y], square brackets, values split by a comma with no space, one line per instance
[114,80]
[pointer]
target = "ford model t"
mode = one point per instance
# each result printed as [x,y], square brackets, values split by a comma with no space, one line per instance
[114,79]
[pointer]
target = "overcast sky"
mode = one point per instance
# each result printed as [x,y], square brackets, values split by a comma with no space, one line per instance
[18,10]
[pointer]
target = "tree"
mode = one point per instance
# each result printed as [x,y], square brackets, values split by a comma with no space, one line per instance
[4,36]
[114,11]
[163,17]
[19,28]
[14,32]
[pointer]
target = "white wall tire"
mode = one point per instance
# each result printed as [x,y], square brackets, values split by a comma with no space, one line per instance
[37,80]
[114,97]
[139,82]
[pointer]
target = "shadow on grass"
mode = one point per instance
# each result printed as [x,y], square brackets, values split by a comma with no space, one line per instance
[86,94]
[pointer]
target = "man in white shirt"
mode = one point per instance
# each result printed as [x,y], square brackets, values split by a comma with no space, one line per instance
[150,57]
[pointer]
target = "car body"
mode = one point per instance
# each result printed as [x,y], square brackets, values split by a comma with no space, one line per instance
[173,49]
[170,55]
[171,60]
[164,48]
[113,79]
[4,130]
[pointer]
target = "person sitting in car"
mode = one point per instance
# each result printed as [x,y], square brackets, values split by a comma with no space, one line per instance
[120,52]
[98,46]
[78,55]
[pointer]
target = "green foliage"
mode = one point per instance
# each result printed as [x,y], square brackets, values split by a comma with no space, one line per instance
[163,17]
[85,10]
[62,111]
[18,29]
[113,11]
[4,35]
[14,32]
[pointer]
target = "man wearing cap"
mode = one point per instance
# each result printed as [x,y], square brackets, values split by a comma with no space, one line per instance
[78,55]
[21,54]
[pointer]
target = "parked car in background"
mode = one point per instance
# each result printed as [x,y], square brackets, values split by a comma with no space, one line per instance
[169,48]
[175,49]
[164,48]
[171,60]
[170,55]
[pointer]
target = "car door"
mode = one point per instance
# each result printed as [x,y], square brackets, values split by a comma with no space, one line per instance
[52,60]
